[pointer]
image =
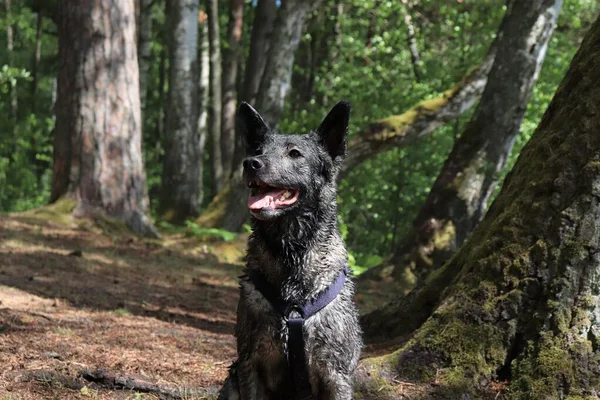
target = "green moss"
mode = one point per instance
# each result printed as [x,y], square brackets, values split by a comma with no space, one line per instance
[216,210]
[58,212]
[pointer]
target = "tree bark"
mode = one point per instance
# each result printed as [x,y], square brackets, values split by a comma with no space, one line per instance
[214,110]
[262,29]
[98,127]
[181,180]
[37,56]
[411,39]
[260,41]
[14,99]
[144,41]
[275,83]
[203,92]
[228,210]
[523,303]
[231,60]
[458,199]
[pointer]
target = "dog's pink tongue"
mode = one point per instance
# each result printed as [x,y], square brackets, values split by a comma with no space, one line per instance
[264,200]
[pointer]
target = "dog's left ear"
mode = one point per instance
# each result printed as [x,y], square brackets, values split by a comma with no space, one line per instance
[333,131]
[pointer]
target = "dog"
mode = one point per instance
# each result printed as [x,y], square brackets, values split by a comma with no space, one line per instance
[295,256]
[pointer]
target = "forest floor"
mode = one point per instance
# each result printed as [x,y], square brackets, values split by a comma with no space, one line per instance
[88,310]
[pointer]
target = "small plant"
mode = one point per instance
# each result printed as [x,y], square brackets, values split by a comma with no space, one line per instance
[121,312]
[209,233]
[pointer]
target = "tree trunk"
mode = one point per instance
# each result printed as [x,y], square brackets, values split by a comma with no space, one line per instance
[275,83]
[181,180]
[214,110]
[411,39]
[523,303]
[37,56]
[98,127]
[14,99]
[458,198]
[203,90]
[144,41]
[230,69]
[228,209]
[262,29]
[260,41]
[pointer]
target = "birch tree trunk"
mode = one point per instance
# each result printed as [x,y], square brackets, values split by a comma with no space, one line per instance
[203,92]
[181,179]
[214,110]
[98,155]
[520,300]
[458,199]
[231,60]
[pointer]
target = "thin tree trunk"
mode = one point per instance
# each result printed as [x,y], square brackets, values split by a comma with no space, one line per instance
[203,91]
[231,60]
[162,80]
[181,180]
[98,124]
[523,300]
[214,110]
[458,198]
[144,41]
[260,41]
[227,210]
[14,100]
[36,62]
[262,28]
[275,83]
[415,58]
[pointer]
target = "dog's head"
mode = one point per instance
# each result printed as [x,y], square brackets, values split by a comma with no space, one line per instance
[288,174]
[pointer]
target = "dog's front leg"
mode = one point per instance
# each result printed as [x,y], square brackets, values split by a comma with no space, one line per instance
[339,387]
[251,387]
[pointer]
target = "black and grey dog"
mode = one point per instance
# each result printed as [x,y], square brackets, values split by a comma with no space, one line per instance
[297,326]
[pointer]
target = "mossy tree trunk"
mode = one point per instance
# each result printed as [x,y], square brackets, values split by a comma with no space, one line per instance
[458,199]
[98,157]
[520,301]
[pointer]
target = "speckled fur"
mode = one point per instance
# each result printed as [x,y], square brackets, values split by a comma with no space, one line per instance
[300,251]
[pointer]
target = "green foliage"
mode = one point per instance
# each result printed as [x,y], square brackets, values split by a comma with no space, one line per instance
[192,229]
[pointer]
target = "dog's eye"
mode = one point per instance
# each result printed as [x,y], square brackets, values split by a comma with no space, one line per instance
[294,153]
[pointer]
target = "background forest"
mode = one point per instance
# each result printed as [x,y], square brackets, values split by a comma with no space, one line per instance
[384,57]
[469,199]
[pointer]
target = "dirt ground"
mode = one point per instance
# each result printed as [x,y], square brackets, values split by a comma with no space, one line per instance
[78,305]
[88,311]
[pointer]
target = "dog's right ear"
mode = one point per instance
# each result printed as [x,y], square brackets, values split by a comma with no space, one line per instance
[253,128]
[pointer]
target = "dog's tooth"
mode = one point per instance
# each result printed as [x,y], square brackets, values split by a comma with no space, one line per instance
[286,195]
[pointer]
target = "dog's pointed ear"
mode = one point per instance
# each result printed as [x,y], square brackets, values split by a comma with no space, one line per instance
[333,131]
[253,128]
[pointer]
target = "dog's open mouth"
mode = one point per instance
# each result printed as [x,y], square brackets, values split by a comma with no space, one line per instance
[267,197]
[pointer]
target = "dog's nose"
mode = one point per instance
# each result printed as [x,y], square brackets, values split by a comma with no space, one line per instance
[253,163]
